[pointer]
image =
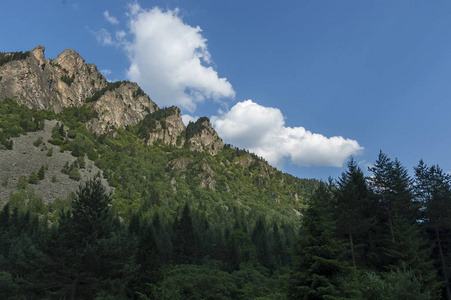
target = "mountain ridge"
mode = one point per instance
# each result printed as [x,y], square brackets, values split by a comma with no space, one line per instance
[67,81]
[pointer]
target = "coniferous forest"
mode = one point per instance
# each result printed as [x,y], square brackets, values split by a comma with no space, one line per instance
[382,236]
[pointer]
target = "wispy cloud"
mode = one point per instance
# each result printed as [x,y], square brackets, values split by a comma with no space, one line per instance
[103,37]
[109,18]
[105,72]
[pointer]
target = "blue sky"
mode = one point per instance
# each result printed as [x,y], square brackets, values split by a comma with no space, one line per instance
[303,83]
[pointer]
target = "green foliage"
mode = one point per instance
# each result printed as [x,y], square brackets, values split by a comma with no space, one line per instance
[207,282]
[41,173]
[195,128]
[33,178]
[74,174]
[17,119]
[320,254]
[38,141]
[397,284]
[6,57]
[5,181]
[75,116]
[110,86]
[50,152]
[68,79]
[22,182]
[151,122]
[53,180]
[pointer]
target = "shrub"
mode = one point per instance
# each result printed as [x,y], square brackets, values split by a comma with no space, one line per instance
[38,141]
[74,174]
[33,178]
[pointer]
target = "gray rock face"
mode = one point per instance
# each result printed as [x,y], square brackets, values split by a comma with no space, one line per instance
[168,130]
[205,138]
[125,105]
[41,83]
[68,81]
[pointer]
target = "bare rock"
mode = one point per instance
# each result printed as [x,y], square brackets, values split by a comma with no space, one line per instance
[202,137]
[121,107]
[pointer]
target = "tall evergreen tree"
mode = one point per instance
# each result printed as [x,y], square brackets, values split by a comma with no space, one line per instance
[399,243]
[433,188]
[355,213]
[185,240]
[320,263]
[89,248]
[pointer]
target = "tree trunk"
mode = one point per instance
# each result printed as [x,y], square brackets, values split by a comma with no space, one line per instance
[391,227]
[352,249]
[442,259]
[73,292]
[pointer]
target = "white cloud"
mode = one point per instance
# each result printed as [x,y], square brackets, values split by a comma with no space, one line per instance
[170,61]
[109,18]
[103,37]
[188,118]
[262,130]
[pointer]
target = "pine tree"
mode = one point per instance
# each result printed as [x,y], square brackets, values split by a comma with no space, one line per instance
[147,259]
[433,188]
[319,264]
[400,243]
[185,241]
[355,213]
[89,247]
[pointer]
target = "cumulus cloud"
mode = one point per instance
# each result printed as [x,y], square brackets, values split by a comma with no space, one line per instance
[262,130]
[110,19]
[170,60]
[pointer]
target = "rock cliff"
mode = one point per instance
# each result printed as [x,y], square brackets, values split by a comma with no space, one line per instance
[67,81]
[202,137]
[41,83]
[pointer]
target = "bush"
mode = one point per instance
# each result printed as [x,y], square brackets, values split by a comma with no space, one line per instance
[68,79]
[38,141]
[33,178]
[22,182]
[41,173]
[50,152]
[74,174]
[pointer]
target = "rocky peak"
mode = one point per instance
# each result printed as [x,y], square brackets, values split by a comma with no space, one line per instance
[40,83]
[120,104]
[164,126]
[201,137]
[38,53]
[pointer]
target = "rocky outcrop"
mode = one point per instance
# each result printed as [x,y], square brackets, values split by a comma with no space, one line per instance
[67,81]
[120,107]
[165,126]
[202,137]
[40,83]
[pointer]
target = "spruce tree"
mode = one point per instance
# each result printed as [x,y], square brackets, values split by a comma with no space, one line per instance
[89,248]
[185,240]
[320,263]
[355,213]
[433,188]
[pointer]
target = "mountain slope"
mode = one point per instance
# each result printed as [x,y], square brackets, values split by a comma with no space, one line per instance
[153,161]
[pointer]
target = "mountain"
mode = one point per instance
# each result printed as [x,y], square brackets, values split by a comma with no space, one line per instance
[68,84]
[62,124]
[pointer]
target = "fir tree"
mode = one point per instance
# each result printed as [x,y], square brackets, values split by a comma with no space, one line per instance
[319,263]
[355,213]
[433,188]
